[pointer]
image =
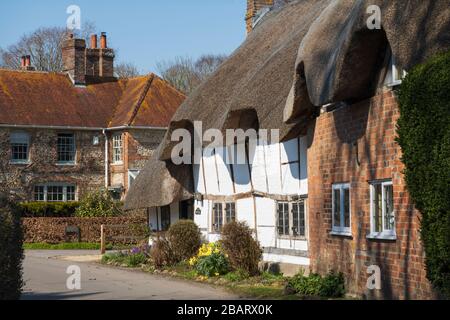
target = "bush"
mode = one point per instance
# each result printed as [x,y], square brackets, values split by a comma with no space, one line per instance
[98,204]
[213,265]
[331,286]
[161,253]
[185,239]
[242,250]
[424,136]
[48,209]
[11,252]
[210,261]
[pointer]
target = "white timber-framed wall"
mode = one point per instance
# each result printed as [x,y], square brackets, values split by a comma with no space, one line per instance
[276,174]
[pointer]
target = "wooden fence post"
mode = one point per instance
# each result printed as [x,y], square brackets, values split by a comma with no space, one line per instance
[103,239]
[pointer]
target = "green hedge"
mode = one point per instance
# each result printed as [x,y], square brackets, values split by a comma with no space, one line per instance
[48,209]
[11,252]
[424,136]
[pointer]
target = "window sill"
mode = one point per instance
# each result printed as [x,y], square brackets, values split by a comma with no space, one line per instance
[117,164]
[382,236]
[299,238]
[20,163]
[394,84]
[346,234]
[66,164]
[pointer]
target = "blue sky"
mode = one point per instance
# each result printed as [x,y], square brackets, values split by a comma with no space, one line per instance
[144,31]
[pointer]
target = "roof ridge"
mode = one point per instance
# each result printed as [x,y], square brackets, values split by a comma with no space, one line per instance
[169,84]
[141,99]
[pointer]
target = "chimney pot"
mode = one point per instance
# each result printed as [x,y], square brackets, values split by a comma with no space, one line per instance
[94,41]
[23,62]
[27,61]
[103,41]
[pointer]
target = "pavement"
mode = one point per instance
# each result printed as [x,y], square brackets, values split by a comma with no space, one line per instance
[45,279]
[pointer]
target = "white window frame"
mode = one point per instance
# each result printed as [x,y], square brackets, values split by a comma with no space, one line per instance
[117,148]
[20,138]
[342,230]
[63,185]
[291,234]
[224,214]
[71,162]
[384,234]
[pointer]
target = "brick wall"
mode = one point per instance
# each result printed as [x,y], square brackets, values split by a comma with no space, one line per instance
[356,144]
[87,173]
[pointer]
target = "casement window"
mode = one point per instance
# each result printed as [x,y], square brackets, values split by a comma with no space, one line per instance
[382,214]
[55,193]
[20,145]
[223,213]
[291,220]
[66,149]
[165,218]
[341,212]
[117,149]
[132,175]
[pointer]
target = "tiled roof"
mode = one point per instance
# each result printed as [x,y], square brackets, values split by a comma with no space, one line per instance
[50,99]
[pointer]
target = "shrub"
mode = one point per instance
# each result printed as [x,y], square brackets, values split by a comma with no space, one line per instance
[48,209]
[213,265]
[242,250]
[161,253]
[98,204]
[11,252]
[210,261]
[424,136]
[331,286]
[185,239]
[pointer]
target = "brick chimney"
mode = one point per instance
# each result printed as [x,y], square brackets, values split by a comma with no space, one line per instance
[257,8]
[25,63]
[88,64]
[253,8]
[93,58]
[74,57]
[106,58]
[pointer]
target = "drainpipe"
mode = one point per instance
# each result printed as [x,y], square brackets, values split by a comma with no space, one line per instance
[106,159]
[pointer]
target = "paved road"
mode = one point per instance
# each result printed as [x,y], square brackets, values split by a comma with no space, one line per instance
[45,277]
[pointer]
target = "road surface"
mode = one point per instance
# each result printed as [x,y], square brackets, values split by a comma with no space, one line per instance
[45,279]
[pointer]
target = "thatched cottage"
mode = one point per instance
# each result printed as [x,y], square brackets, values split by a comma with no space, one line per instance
[330,195]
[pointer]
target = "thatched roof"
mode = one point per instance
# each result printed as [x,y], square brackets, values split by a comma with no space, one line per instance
[160,184]
[308,54]
[305,55]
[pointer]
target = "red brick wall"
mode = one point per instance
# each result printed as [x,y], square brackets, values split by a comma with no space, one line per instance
[356,144]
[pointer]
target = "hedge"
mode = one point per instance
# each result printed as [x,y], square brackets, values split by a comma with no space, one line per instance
[53,230]
[48,209]
[424,136]
[11,252]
